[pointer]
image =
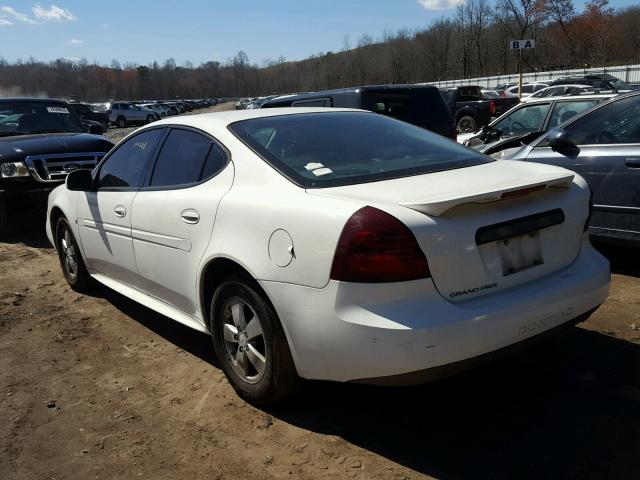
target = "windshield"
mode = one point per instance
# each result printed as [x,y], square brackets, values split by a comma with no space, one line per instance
[25,117]
[619,84]
[317,150]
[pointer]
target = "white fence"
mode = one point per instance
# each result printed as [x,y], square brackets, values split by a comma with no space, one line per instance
[628,73]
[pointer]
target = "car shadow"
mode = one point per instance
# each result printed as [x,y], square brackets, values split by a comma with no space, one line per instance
[624,259]
[567,408]
[30,233]
[196,343]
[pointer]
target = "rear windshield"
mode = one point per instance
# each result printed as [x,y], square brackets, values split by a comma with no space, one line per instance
[316,150]
[424,107]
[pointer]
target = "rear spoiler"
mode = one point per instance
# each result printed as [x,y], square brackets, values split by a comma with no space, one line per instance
[489,193]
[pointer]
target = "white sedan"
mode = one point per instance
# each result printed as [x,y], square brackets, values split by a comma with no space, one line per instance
[331,244]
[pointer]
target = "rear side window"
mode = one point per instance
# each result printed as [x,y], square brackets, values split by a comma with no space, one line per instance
[423,107]
[126,166]
[182,159]
[317,150]
[186,158]
[316,102]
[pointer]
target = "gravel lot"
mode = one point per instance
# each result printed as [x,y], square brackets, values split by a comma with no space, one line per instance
[96,386]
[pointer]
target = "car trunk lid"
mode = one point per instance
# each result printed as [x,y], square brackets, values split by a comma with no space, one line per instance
[486,228]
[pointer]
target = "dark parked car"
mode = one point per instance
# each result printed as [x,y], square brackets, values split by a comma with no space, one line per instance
[527,121]
[41,141]
[602,81]
[603,146]
[471,109]
[421,105]
[85,111]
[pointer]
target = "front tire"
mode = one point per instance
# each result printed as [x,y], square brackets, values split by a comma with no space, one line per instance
[73,267]
[250,343]
[150,118]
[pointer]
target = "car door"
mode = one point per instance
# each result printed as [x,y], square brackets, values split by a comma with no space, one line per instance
[608,156]
[174,213]
[104,214]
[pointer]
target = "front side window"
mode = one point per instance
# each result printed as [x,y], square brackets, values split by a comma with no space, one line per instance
[524,120]
[565,111]
[126,166]
[182,159]
[317,150]
[616,122]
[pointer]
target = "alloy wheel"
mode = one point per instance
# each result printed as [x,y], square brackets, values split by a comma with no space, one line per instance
[68,253]
[244,340]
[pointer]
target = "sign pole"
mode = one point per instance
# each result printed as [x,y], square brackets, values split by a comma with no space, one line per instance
[521,45]
[520,74]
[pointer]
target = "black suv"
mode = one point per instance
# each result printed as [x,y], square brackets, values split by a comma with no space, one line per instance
[41,141]
[602,80]
[421,105]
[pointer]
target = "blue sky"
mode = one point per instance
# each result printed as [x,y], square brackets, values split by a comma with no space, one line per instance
[142,31]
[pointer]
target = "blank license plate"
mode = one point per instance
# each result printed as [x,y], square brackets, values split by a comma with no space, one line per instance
[520,252]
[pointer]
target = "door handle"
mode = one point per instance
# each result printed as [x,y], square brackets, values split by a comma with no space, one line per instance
[190,216]
[120,211]
[632,162]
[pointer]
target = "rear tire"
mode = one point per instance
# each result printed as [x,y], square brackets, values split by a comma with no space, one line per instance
[250,343]
[467,124]
[121,122]
[73,267]
[150,118]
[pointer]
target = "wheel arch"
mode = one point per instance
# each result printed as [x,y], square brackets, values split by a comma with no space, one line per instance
[213,274]
[466,112]
[215,271]
[54,216]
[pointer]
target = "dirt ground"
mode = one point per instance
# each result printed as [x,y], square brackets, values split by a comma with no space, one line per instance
[96,386]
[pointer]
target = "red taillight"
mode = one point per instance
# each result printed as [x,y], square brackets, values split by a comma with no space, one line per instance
[492,107]
[375,247]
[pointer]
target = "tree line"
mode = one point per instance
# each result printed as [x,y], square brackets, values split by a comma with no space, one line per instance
[471,43]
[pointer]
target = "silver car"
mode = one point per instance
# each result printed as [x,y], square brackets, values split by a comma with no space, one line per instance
[123,114]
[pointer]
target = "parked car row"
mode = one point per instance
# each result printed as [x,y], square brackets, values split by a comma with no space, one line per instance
[124,113]
[598,82]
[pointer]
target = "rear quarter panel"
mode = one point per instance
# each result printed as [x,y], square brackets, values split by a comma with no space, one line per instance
[261,202]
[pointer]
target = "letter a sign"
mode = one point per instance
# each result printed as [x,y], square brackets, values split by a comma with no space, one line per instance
[522,44]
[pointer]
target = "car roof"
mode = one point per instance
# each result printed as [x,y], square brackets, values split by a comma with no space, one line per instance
[360,89]
[572,97]
[222,119]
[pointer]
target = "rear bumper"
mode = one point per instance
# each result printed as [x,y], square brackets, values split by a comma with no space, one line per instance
[351,332]
[435,373]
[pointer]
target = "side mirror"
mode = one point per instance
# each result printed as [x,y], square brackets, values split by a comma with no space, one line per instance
[559,141]
[96,129]
[493,135]
[80,181]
